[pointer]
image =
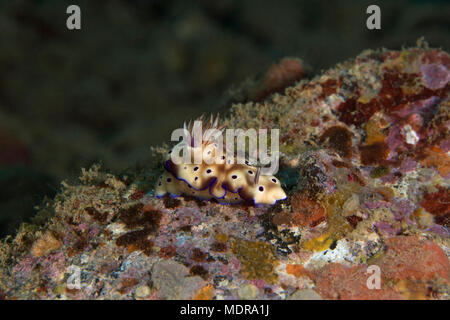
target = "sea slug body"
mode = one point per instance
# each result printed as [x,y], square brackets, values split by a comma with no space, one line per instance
[216,177]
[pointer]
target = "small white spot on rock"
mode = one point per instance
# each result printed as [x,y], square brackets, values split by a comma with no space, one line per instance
[410,135]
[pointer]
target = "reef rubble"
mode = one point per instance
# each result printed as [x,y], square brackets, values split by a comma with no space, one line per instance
[366,168]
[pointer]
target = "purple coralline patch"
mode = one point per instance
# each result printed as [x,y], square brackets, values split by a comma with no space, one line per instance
[189,216]
[25,266]
[373,205]
[402,208]
[420,107]
[395,141]
[386,228]
[445,143]
[441,230]
[435,76]
[260,283]
[53,265]
[408,165]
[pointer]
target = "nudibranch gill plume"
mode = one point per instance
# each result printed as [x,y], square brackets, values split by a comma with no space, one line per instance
[216,177]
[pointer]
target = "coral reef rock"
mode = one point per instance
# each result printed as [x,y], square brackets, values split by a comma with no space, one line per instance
[365,166]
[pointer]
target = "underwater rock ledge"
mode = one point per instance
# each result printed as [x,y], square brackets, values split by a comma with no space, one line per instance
[366,170]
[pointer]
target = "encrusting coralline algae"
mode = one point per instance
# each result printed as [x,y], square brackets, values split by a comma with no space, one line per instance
[365,167]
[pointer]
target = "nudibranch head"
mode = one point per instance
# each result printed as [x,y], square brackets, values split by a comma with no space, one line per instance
[216,177]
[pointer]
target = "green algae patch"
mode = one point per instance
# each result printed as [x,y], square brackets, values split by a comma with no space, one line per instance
[379,172]
[257,258]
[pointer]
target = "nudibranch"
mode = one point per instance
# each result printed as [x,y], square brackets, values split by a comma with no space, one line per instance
[216,177]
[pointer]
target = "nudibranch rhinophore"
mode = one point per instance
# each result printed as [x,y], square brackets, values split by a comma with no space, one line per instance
[216,177]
